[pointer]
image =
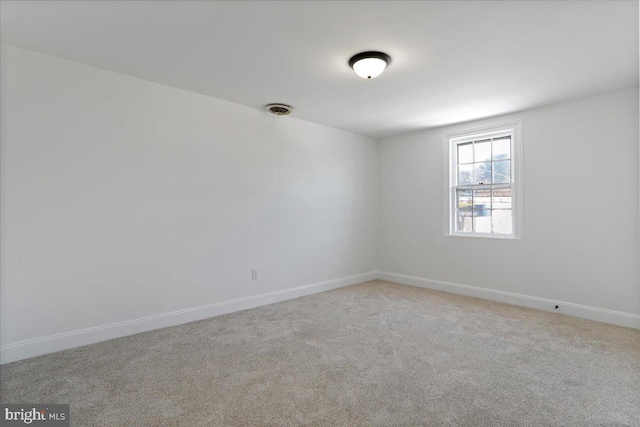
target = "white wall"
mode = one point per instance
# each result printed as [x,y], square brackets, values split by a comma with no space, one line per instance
[123,198]
[580,208]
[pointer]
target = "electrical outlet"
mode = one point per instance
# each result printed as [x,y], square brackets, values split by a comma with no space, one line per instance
[254,274]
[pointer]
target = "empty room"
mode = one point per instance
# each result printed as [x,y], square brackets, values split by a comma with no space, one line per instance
[319,213]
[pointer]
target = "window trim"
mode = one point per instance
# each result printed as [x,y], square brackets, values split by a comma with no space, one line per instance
[450,139]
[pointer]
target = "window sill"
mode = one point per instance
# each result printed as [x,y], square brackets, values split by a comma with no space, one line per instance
[484,236]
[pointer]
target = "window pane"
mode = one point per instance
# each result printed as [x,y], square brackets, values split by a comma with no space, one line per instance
[502,171]
[482,150]
[482,210]
[464,174]
[502,148]
[482,224]
[501,198]
[501,221]
[465,153]
[464,200]
[482,201]
[482,173]
[464,221]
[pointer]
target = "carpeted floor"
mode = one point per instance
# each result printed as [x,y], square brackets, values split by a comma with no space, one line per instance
[376,354]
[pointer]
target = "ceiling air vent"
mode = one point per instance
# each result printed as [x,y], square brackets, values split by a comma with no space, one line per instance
[279,109]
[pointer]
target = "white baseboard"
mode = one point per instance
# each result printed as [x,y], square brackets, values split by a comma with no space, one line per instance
[586,312]
[39,346]
[50,344]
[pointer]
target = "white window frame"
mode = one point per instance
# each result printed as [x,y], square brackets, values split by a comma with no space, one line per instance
[450,142]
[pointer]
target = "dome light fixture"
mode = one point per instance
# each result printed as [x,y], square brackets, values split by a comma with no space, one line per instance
[369,64]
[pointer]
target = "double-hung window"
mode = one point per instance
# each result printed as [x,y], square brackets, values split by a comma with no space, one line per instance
[484,186]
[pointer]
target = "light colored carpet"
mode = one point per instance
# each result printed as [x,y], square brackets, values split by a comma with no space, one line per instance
[377,354]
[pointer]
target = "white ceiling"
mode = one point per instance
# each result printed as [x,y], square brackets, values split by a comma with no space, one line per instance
[451,61]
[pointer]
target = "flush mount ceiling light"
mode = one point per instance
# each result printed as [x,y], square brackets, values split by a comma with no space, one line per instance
[369,64]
